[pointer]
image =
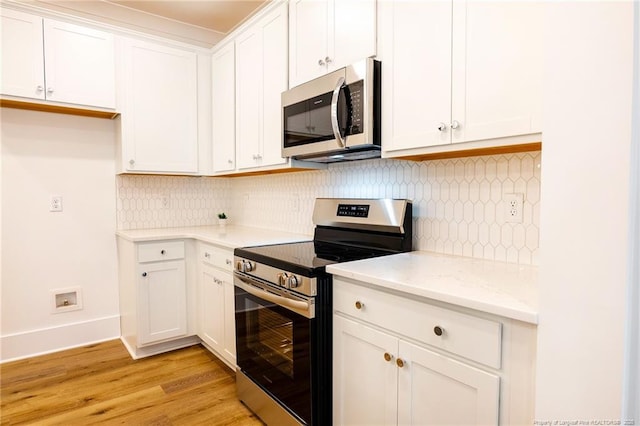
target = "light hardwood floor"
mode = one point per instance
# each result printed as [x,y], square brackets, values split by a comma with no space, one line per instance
[101,384]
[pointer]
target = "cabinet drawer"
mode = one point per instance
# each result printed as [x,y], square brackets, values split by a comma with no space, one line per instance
[166,250]
[216,256]
[474,338]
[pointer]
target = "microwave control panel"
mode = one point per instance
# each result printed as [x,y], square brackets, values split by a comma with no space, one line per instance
[355,101]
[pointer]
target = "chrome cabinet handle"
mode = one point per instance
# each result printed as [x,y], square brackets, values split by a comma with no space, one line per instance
[321,62]
[442,127]
[49,90]
[39,88]
[455,124]
[327,60]
[334,112]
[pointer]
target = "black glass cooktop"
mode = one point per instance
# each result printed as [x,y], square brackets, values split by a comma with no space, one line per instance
[307,258]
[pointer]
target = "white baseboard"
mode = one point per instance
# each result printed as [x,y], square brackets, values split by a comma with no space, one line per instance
[47,340]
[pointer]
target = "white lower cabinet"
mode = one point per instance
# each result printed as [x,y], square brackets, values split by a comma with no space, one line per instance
[216,307]
[403,361]
[154,297]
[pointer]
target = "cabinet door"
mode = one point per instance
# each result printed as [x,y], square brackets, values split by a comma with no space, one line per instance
[364,382]
[22,55]
[80,65]
[261,73]
[415,51]
[436,390]
[212,308]
[352,29]
[159,115]
[162,299]
[223,106]
[229,347]
[274,31]
[249,82]
[307,40]
[497,69]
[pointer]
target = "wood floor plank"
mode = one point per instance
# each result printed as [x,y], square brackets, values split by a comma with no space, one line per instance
[101,384]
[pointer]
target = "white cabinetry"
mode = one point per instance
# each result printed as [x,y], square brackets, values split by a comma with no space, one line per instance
[159,108]
[223,108]
[403,361]
[153,296]
[216,306]
[329,34]
[473,75]
[45,59]
[261,77]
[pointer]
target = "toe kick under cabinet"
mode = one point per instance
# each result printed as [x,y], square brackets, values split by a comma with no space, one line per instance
[399,359]
[155,296]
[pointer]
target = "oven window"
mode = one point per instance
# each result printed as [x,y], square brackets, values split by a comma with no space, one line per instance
[272,338]
[273,347]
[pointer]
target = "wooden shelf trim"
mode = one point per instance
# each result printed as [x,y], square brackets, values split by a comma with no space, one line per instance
[59,109]
[475,152]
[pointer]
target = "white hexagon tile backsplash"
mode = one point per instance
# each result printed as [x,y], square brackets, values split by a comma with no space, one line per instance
[458,204]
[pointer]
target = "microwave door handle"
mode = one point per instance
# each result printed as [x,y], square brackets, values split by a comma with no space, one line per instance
[334,112]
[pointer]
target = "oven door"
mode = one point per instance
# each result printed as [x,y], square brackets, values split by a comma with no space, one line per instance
[273,342]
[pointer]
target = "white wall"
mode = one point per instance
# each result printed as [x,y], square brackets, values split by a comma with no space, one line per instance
[584,214]
[47,154]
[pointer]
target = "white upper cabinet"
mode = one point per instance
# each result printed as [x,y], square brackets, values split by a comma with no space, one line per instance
[223,108]
[462,71]
[159,108]
[329,34]
[261,77]
[50,60]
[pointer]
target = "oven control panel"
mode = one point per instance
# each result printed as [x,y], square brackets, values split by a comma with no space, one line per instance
[353,210]
[275,276]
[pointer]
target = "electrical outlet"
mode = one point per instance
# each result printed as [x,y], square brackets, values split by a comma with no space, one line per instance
[513,207]
[55,203]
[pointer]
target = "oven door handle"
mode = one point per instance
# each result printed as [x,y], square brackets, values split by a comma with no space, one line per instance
[334,112]
[303,308]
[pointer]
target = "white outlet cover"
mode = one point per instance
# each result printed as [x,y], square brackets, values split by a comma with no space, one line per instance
[513,206]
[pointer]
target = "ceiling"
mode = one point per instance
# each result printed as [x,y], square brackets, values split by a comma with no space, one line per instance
[217,15]
[198,22]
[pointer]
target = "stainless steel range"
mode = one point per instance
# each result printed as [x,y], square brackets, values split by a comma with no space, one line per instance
[283,299]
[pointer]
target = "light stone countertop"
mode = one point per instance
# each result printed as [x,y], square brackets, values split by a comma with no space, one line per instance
[505,289]
[229,236]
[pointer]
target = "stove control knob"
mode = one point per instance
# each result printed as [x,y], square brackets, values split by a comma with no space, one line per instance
[245,266]
[292,281]
[282,279]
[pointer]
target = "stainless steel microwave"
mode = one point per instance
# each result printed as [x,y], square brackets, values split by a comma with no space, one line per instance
[335,117]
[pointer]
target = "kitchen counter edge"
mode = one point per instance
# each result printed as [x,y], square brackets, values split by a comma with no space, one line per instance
[504,289]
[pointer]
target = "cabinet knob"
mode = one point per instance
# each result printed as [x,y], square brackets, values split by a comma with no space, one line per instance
[144,274]
[228,261]
[387,356]
[321,62]
[438,330]
[162,252]
[359,304]
[207,255]
[399,362]
[327,60]
[230,161]
[132,162]
[49,90]
[442,127]
[455,124]
[39,88]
